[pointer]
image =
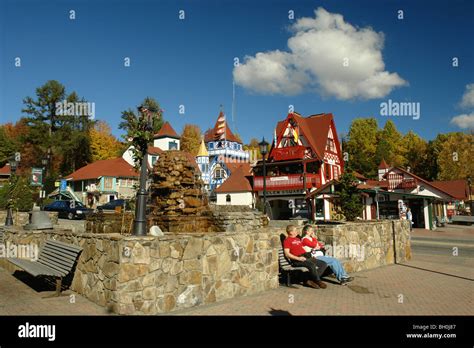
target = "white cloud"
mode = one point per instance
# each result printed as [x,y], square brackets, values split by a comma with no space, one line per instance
[468,97]
[317,51]
[464,121]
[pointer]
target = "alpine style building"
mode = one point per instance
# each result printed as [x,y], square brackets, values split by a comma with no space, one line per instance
[220,153]
[305,156]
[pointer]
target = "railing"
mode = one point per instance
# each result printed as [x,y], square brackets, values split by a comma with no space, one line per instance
[286,182]
[397,181]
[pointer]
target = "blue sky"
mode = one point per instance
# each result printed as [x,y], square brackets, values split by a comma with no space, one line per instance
[191,61]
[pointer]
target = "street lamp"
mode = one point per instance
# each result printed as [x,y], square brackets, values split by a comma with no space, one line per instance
[469,183]
[139,224]
[263,151]
[13,165]
[376,188]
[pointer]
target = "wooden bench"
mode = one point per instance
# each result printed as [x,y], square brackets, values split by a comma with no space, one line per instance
[466,219]
[286,267]
[56,259]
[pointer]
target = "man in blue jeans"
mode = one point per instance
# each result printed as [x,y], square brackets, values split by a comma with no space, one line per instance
[311,244]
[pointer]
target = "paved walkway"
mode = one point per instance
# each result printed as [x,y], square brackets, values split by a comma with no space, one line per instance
[434,282]
[19,297]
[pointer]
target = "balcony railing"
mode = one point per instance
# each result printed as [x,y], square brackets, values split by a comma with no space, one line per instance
[287,182]
[397,181]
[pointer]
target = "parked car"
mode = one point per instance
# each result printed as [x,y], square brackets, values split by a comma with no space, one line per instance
[114,204]
[69,209]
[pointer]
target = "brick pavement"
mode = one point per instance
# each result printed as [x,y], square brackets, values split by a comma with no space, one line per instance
[373,292]
[18,298]
[427,285]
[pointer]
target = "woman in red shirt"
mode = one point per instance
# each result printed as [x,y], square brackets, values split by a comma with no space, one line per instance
[294,251]
[311,244]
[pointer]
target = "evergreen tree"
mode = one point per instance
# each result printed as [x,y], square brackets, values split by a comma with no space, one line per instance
[349,199]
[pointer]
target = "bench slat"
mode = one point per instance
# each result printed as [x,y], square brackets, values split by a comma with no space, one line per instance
[74,248]
[55,259]
[55,267]
[60,248]
[65,264]
[54,252]
[65,253]
[34,268]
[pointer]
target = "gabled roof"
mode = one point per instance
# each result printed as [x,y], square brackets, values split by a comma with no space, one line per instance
[457,188]
[359,176]
[420,179]
[315,128]
[153,150]
[220,131]
[383,164]
[237,182]
[114,167]
[166,131]
[5,170]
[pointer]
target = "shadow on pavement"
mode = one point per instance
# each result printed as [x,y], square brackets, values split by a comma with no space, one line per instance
[429,270]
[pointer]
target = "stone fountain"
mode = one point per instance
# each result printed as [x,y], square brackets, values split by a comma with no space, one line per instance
[177,199]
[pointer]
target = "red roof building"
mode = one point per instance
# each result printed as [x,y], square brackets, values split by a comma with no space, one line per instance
[305,154]
[237,182]
[221,131]
[115,167]
[166,131]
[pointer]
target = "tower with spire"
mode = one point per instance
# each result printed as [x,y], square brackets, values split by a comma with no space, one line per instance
[224,153]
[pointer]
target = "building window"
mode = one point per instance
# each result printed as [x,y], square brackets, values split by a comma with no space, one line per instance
[108,183]
[327,170]
[153,160]
[227,199]
[211,146]
[330,145]
[336,172]
[172,145]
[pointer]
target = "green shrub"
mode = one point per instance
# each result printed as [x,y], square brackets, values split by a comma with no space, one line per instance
[18,195]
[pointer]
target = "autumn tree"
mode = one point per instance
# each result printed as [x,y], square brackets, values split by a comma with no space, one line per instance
[191,138]
[416,154]
[7,146]
[254,149]
[361,144]
[103,144]
[455,159]
[390,145]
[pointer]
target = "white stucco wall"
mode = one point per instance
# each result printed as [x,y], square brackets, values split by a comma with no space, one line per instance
[163,143]
[237,198]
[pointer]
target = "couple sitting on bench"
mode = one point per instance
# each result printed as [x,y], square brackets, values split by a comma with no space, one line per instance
[307,252]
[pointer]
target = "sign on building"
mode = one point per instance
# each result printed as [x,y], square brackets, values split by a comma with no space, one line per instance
[36,176]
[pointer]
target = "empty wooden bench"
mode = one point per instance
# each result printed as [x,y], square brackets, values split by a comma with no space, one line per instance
[286,267]
[56,259]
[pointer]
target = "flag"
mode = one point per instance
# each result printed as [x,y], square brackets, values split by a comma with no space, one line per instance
[275,137]
[295,134]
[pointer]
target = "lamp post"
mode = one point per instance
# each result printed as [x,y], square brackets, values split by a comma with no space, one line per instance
[263,151]
[469,183]
[376,188]
[44,162]
[13,165]
[140,224]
